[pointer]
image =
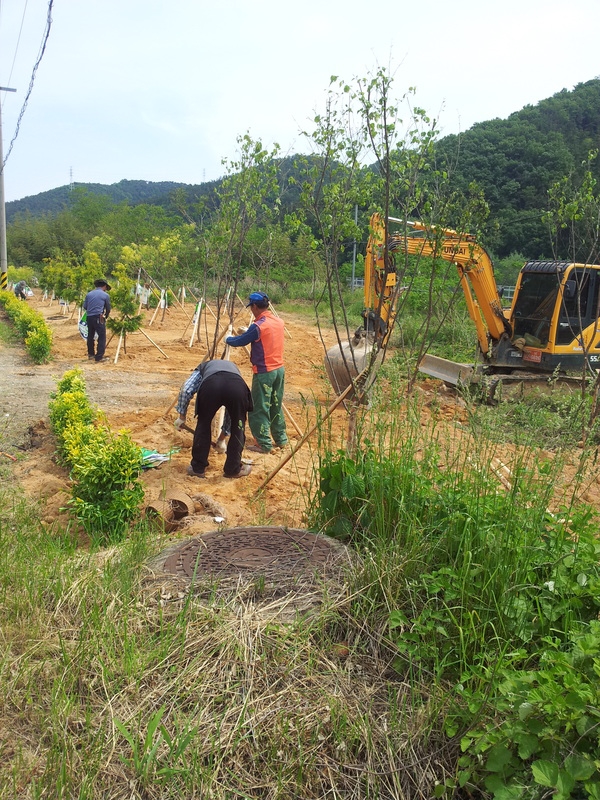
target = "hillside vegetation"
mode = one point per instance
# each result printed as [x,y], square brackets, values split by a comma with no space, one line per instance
[514,162]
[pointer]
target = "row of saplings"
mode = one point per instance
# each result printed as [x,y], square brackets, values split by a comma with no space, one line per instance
[106,491]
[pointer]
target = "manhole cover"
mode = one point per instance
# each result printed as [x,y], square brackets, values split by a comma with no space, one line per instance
[235,551]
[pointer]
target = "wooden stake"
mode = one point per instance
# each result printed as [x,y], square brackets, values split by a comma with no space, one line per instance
[271,308]
[292,420]
[118,347]
[141,330]
[221,413]
[196,321]
[306,436]
[162,291]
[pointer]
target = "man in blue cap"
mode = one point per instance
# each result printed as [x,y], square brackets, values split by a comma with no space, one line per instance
[266,339]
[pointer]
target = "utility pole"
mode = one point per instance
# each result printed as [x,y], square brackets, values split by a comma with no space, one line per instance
[3,255]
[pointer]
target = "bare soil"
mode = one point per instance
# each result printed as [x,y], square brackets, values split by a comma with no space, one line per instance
[138,393]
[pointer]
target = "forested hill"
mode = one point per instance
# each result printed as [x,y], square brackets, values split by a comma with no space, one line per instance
[515,161]
[130,192]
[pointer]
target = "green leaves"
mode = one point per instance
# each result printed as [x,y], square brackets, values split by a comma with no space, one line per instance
[498,758]
[145,760]
[106,492]
[540,729]
[31,326]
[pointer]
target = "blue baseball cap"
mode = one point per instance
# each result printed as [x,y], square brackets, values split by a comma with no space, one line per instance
[257,297]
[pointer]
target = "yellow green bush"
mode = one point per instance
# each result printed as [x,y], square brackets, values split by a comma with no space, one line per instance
[106,492]
[31,326]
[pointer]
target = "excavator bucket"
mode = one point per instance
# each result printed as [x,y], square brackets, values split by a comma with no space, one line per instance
[448,371]
[345,362]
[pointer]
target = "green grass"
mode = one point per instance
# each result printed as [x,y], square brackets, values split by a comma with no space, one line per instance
[8,335]
[557,421]
[473,595]
[125,686]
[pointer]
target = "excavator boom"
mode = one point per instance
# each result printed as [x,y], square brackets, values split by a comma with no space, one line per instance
[474,267]
[346,360]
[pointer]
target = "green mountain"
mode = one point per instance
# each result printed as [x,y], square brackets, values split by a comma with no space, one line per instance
[131,192]
[515,161]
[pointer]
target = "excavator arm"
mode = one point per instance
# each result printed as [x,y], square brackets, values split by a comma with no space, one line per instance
[380,289]
[346,360]
[474,268]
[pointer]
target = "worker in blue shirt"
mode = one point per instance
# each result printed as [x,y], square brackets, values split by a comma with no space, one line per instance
[187,391]
[97,308]
[219,383]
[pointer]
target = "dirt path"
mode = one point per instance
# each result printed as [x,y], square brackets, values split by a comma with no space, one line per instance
[136,394]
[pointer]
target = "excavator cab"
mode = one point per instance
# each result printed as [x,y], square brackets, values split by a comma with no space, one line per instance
[533,307]
[555,314]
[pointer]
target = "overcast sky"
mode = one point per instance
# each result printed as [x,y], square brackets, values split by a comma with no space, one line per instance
[159,90]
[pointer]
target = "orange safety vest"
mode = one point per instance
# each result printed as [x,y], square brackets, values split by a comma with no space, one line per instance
[266,354]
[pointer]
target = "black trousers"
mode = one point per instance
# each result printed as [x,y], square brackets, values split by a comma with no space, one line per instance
[221,389]
[96,325]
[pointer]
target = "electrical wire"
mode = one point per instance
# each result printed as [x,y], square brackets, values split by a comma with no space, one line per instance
[12,66]
[31,82]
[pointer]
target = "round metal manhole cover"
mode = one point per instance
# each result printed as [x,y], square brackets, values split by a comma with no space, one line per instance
[238,551]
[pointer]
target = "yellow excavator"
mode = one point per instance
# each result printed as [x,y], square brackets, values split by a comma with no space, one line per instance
[550,333]
[551,330]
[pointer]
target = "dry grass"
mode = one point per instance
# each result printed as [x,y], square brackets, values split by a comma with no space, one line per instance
[118,685]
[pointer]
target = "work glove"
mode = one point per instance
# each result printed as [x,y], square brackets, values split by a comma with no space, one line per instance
[179,422]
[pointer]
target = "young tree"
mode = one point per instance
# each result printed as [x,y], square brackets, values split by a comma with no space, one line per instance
[362,122]
[243,197]
[124,301]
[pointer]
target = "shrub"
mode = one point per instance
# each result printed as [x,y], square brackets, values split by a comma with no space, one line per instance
[106,493]
[39,343]
[70,414]
[31,326]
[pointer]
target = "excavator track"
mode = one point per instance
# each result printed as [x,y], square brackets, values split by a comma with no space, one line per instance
[500,388]
[494,387]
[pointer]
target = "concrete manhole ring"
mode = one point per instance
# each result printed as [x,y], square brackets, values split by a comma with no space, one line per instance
[243,551]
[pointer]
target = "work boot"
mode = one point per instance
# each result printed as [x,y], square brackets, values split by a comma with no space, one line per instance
[245,469]
[257,448]
[191,471]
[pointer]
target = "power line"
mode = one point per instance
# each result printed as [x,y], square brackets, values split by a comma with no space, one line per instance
[31,82]
[18,42]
